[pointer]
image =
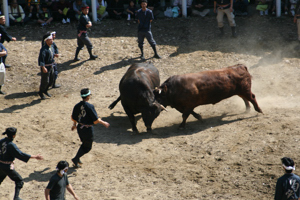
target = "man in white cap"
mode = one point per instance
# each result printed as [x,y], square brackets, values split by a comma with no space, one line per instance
[5,36]
[46,63]
[288,186]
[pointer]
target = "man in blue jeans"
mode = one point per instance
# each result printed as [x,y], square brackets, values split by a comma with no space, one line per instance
[145,17]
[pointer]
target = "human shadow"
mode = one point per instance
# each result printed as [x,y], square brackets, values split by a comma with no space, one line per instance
[43,176]
[20,95]
[120,135]
[124,62]
[69,65]
[19,107]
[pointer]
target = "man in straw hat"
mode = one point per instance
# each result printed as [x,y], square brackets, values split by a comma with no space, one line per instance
[5,36]
[46,62]
[8,152]
[288,186]
[58,183]
[84,116]
[82,37]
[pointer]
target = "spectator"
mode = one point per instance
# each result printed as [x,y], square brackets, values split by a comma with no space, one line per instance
[199,7]
[225,7]
[116,9]
[3,53]
[288,185]
[240,7]
[178,3]
[16,14]
[50,4]
[292,4]
[34,5]
[45,17]
[77,5]
[263,7]
[284,7]
[62,11]
[131,10]
[297,18]
[101,9]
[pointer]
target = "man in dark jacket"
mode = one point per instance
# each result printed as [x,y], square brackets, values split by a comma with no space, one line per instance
[8,152]
[5,37]
[288,186]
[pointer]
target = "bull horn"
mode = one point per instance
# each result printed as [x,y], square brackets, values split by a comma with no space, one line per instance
[163,108]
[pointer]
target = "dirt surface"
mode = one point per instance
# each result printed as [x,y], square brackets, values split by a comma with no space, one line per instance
[230,155]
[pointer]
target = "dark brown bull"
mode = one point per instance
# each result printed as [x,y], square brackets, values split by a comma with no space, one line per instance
[136,93]
[185,92]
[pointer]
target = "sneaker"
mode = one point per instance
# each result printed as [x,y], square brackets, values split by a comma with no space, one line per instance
[1,92]
[42,96]
[63,21]
[30,15]
[68,20]
[46,93]
[75,164]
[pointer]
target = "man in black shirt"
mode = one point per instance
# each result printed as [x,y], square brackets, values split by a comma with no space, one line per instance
[46,63]
[145,17]
[82,37]
[58,183]
[84,116]
[288,186]
[5,37]
[8,152]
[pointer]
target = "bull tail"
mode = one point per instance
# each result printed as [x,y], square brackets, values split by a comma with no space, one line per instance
[111,106]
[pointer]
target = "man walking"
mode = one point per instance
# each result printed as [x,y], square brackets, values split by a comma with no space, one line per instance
[46,63]
[58,183]
[5,37]
[84,116]
[145,17]
[82,37]
[8,152]
[288,186]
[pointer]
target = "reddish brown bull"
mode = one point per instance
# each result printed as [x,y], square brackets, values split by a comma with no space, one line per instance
[185,92]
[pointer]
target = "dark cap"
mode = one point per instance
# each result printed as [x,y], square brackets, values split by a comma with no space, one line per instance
[11,131]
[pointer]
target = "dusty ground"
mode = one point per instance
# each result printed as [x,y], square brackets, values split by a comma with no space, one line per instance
[230,155]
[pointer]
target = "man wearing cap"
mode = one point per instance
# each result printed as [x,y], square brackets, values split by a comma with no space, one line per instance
[288,186]
[145,17]
[46,63]
[82,37]
[55,54]
[84,116]
[8,152]
[3,53]
[58,183]
[5,36]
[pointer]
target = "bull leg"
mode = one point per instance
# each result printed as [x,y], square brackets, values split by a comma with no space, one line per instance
[131,119]
[252,99]
[185,115]
[196,115]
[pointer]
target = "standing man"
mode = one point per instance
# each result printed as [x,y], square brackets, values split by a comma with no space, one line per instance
[145,17]
[3,53]
[82,37]
[55,54]
[5,36]
[8,152]
[58,183]
[46,63]
[84,116]
[225,7]
[288,186]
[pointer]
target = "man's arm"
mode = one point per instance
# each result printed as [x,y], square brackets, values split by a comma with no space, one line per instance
[70,189]
[100,121]
[47,194]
